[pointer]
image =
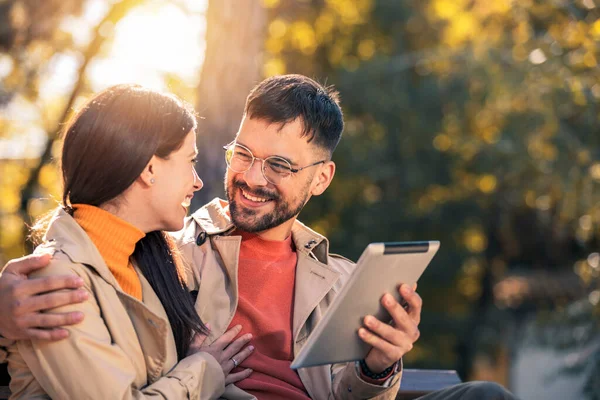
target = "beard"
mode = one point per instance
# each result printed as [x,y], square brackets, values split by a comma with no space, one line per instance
[250,220]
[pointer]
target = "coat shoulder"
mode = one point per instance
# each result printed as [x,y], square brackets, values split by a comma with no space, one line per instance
[60,263]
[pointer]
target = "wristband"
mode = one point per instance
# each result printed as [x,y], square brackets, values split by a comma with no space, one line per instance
[364,369]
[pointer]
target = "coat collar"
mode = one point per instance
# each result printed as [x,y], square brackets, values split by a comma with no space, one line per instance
[64,234]
[214,219]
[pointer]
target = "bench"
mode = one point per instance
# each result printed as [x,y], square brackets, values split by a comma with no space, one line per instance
[415,383]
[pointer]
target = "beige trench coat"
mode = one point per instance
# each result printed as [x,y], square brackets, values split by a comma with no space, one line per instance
[124,348]
[212,268]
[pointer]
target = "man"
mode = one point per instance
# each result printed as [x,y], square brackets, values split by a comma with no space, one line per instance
[255,265]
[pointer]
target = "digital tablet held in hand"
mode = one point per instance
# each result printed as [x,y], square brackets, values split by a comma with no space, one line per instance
[382,267]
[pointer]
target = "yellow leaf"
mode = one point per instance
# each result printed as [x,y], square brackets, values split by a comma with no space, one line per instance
[274,66]
[487,183]
[366,49]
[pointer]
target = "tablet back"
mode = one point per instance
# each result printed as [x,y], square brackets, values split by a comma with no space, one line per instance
[381,269]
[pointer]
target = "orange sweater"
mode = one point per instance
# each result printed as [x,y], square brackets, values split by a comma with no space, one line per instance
[115,239]
[266,275]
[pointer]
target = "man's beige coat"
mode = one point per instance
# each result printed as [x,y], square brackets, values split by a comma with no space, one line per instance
[212,268]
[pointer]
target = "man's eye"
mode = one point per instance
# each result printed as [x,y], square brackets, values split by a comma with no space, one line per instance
[194,160]
[243,156]
[279,167]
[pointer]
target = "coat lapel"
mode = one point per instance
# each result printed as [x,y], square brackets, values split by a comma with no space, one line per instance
[219,271]
[313,281]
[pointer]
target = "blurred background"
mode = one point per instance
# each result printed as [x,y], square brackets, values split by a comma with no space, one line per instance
[472,122]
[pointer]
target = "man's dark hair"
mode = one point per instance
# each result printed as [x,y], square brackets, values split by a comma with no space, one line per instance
[283,98]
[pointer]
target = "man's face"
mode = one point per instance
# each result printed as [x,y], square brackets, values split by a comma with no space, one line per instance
[257,205]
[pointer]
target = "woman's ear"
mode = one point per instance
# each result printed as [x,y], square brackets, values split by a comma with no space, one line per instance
[323,178]
[148,175]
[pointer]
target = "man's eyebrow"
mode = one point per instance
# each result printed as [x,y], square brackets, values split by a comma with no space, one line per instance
[272,155]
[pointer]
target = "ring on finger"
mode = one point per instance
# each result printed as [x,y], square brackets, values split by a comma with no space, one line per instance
[235,362]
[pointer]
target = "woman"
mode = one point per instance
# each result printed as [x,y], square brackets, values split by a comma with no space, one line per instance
[128,173]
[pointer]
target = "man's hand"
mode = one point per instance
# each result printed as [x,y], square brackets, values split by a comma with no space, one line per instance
[23,301]
[391,342]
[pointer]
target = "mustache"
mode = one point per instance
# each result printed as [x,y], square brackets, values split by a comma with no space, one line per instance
[258,192]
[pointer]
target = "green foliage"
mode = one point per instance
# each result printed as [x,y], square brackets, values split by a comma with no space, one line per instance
[470,122]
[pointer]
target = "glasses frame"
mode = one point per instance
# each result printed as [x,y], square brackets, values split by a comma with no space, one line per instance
[262,169]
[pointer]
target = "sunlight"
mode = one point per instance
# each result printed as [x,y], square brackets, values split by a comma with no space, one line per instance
[150,42]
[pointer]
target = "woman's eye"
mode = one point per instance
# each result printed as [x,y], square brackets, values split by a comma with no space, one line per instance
[194,160]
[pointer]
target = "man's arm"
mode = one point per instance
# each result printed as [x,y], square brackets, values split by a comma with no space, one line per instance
[23,301]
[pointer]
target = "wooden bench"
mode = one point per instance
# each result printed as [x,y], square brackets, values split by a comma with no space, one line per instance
[415,383]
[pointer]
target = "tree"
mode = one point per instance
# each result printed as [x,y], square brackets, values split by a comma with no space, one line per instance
[232,66]
[116,13]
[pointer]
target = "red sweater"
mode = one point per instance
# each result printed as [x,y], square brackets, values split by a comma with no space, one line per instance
[266,274]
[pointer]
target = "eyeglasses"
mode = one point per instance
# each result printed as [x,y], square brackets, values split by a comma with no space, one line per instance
[275,169]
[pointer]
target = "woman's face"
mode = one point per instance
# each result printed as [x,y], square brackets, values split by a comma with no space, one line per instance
[175,181]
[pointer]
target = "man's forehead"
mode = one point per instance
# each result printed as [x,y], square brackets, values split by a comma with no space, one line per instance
[267,138]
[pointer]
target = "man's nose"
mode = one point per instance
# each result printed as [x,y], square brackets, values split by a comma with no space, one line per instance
[254,176]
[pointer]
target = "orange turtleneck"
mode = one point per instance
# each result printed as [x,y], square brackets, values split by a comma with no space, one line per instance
[115,239]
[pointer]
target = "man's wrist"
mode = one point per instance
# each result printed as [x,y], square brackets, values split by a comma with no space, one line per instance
[382,376]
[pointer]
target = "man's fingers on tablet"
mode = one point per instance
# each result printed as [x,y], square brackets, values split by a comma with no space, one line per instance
[399,316]
[390,333]
[238,376]
[415,303]
[389,353]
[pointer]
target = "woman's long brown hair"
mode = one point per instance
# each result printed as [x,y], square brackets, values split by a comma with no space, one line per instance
[106,147]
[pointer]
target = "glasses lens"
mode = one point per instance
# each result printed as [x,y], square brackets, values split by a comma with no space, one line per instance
[238,158]
[276,169]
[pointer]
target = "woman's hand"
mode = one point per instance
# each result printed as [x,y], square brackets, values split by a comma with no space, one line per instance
[225,351]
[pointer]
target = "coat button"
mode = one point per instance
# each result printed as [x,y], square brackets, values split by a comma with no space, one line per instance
[201,238]
[310,243]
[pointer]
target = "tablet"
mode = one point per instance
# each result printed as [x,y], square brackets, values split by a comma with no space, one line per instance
[380,269]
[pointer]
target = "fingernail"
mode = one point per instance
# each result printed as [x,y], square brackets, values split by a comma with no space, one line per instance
[78,281]
[406,289]
[249,336]
[251,348]
[369,320]
[389,300]
[82,295]
[362,332]
[207,325]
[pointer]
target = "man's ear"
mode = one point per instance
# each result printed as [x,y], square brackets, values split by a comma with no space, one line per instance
[323,178]
[148,175]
